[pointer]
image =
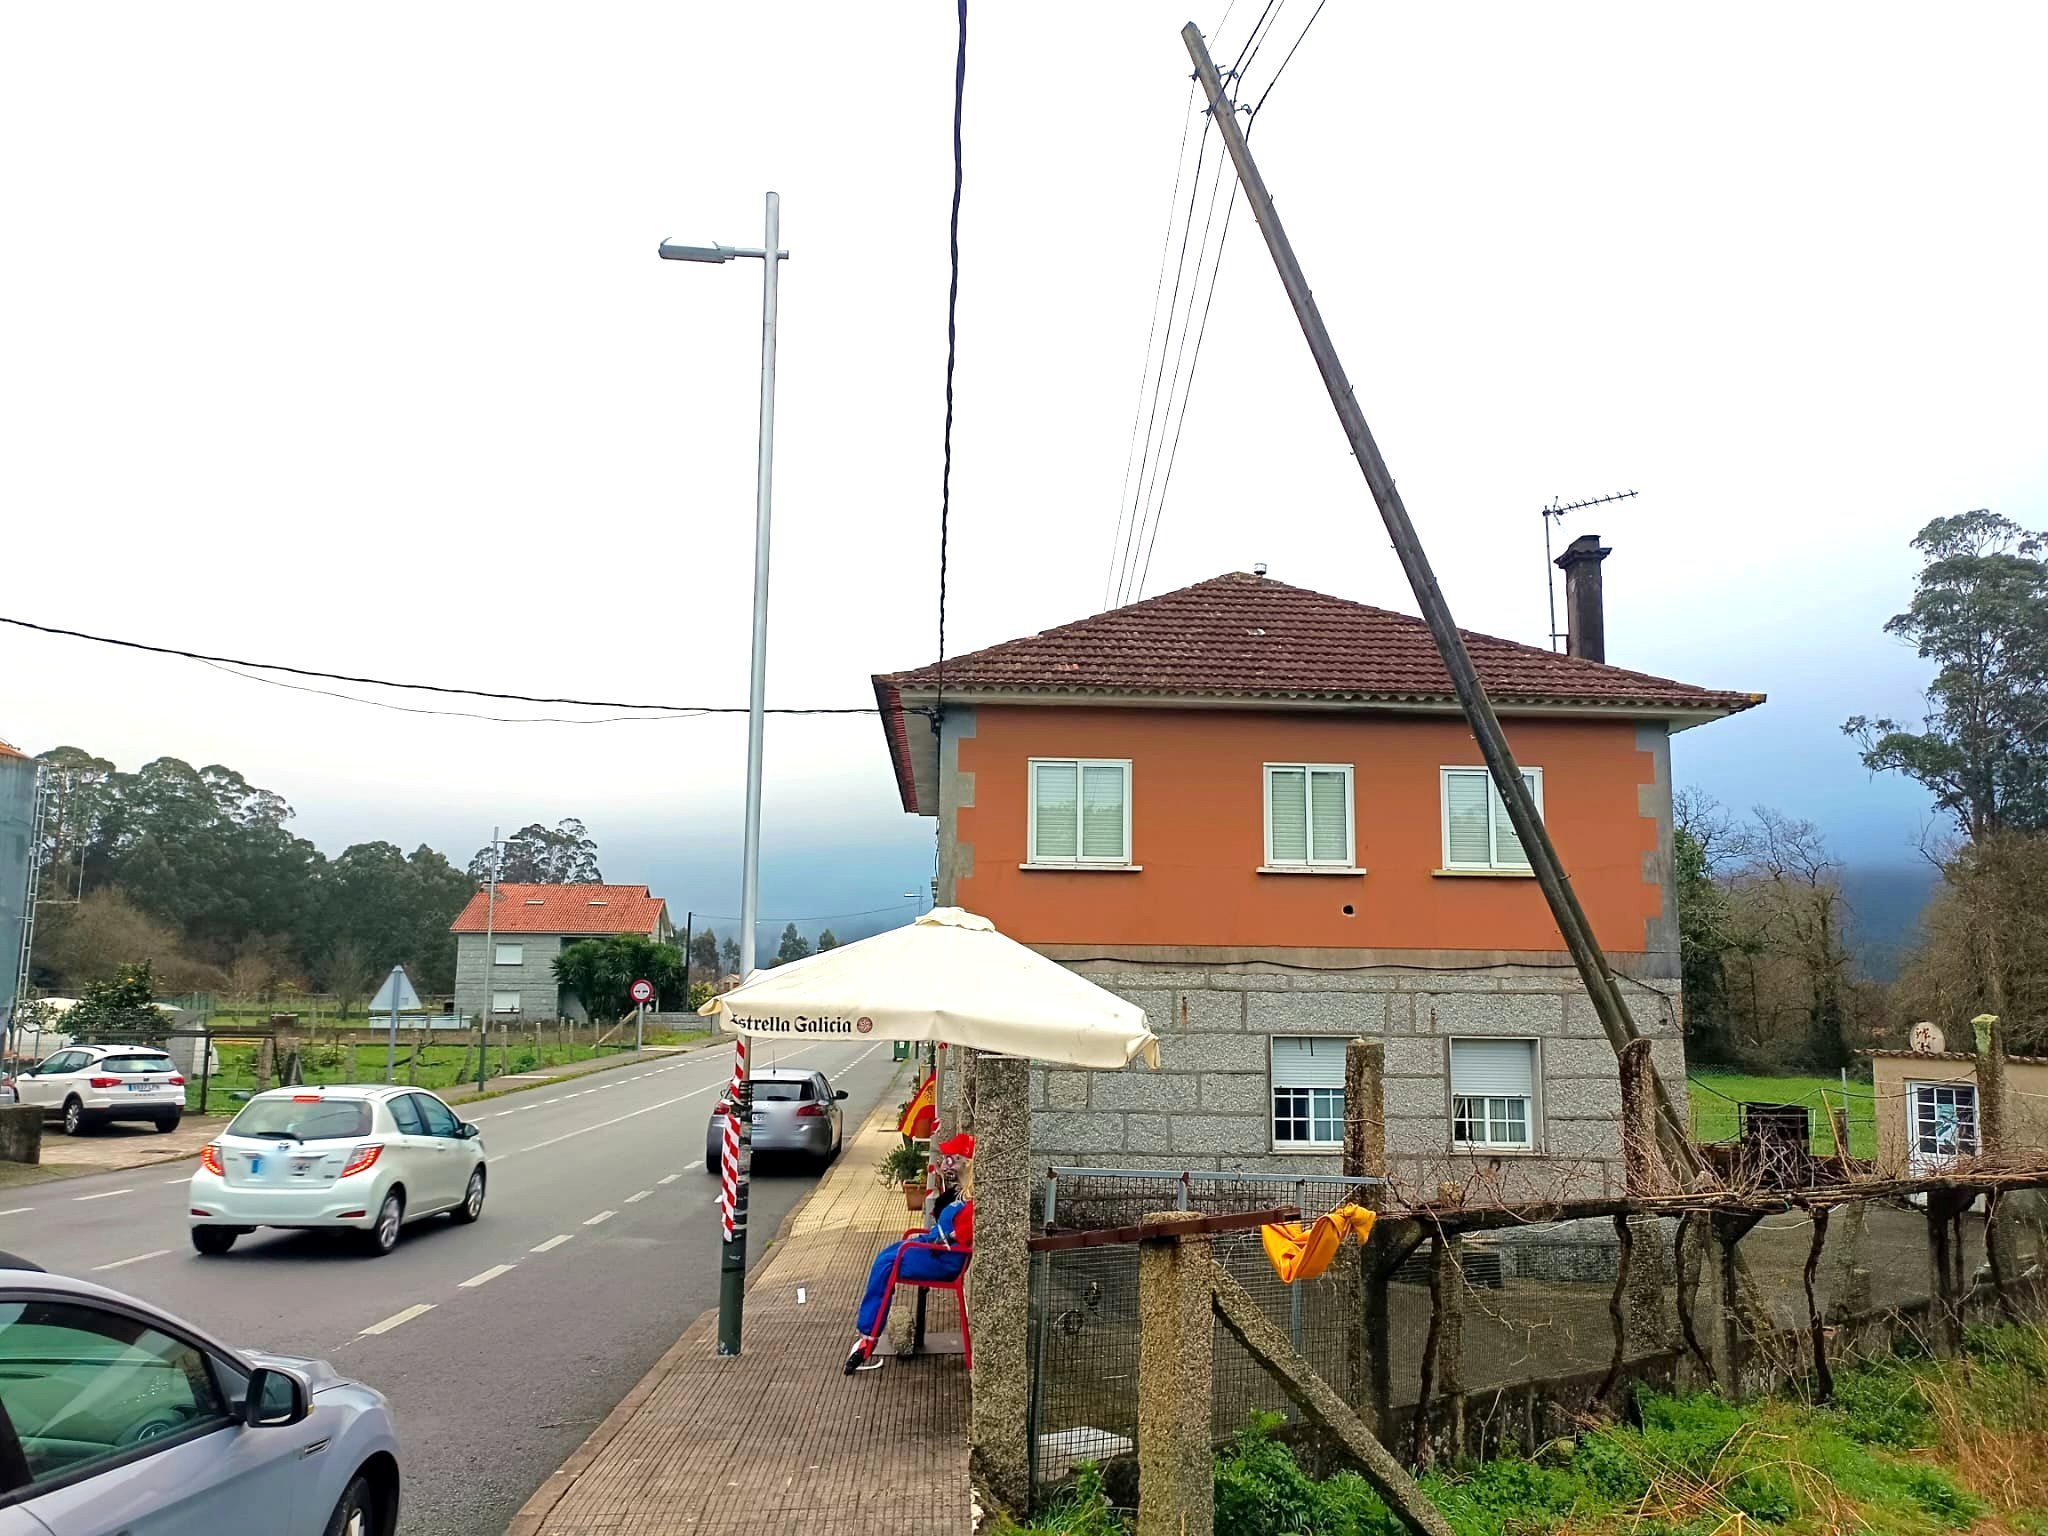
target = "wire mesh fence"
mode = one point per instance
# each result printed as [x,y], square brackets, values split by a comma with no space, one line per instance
[1535,1308]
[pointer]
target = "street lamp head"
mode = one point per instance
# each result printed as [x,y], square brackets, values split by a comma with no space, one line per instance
[714,253]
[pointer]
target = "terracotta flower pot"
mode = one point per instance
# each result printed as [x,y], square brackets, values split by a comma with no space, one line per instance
[913,1195]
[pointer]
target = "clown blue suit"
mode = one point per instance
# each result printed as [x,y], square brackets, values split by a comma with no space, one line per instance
[918,1264]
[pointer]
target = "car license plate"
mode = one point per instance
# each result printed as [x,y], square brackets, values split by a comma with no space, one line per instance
[255,1166]
[760,1117]
[142,1087]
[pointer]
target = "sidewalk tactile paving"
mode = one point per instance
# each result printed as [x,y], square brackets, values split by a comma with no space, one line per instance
[780,1439]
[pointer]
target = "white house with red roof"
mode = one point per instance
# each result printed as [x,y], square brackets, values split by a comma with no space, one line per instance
[505,957]
[1257,811]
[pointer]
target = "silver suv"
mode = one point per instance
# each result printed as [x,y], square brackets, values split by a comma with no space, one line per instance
[87,1085]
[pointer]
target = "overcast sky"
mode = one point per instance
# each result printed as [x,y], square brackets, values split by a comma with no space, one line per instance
[337,337]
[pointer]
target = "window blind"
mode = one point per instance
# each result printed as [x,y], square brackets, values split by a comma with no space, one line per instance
[1102,811]
[1056,795]
[1466,818]
[1329,815]
[1289,795]
[1316,1061]
[1494,1068]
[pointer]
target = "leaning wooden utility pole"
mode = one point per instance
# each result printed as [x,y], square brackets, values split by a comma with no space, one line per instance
[1601,986]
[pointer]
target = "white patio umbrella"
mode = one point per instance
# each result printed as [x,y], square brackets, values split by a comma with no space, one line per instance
[947,977]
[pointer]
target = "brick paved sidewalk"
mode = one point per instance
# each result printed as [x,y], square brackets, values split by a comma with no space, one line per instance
[780,1439]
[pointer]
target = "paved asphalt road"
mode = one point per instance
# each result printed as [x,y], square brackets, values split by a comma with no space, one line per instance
[501,1345]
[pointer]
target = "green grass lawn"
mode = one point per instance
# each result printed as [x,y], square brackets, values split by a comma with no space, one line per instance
[1714,1095]
[442,1064]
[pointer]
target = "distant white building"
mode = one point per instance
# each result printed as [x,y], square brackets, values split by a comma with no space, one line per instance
[510,974]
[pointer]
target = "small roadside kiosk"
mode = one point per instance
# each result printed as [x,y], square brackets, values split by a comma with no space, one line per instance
[986,1006]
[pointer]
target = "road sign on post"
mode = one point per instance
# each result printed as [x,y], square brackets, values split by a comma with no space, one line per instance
[394,997]
[643,992]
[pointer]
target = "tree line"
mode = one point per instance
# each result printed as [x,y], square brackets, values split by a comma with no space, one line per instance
[1763,922]
[194,873]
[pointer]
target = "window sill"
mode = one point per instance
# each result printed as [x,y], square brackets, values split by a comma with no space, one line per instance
[1310,869]
[1308,1149]
[1476,1149]
[1484,874]
[1087,869]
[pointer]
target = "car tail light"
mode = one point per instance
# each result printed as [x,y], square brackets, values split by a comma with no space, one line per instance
[104,1082]
[305,1098]
[209,1159]
[177,1081]
[809,1111]
[364,1156]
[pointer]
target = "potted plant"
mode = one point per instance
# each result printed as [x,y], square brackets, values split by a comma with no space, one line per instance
[905,1166]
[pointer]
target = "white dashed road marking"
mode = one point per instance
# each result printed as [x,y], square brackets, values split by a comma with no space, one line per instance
[105,1194]
[553,1242]
[154,1253]
[635,1199]
[487,1276]
[600,1216]
[693,1164]
[19,1210]
[418,1309]
[183,1178]
[668,1179]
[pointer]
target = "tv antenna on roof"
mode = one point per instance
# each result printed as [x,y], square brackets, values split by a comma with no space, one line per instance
[1554,513]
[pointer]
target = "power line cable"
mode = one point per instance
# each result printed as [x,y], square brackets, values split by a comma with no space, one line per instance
[815,917]
[1180,158]
[457,714]
[938,708]
[1283,65]
[385,682]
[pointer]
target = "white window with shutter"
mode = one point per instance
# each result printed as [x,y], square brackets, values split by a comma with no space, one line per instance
[1308,1092]
[1493,1094]
[1477,832]
[504,1002]
[1308,816]
[510,954]
[1080,811]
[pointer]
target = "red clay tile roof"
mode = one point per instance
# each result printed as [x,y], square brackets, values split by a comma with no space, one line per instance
[565,909]
[1239,636]
[8,751]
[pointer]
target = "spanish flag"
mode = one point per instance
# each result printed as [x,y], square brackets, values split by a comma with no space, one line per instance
[922,1112]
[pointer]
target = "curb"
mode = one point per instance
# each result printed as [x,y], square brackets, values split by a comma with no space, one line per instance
[541,1503]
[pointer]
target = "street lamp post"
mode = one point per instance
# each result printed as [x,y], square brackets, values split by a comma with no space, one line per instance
[732,1269]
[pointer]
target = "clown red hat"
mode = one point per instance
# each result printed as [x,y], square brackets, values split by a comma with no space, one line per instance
[957,1146]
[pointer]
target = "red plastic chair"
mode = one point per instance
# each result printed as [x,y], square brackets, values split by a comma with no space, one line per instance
[962,1244]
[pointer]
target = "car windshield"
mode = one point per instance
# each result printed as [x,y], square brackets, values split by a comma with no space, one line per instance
[302,1119]
[781,1091]
[134,1064]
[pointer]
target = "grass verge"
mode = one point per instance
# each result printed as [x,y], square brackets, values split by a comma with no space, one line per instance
[1714,1096]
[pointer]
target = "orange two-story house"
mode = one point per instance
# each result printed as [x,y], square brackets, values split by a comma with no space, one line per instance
[1257,811]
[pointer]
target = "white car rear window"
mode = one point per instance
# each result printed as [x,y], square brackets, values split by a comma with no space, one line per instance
[306,1119]
[133,1064]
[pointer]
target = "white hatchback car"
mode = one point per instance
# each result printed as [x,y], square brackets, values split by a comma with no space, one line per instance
[88,1085]
[368,1159]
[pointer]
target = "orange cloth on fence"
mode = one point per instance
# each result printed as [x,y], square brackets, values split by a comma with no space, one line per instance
[1302,1253]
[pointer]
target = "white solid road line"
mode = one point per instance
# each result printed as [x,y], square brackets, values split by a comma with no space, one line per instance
[600,1216]
[636,1199]
[553,1242]
[669,1178]
[154,1253]
[418,1309]
[105,1194]
[487,1276]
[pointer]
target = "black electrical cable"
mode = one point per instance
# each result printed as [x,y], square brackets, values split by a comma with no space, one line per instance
[385,682]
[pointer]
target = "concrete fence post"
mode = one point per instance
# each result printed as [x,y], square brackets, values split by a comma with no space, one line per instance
[1176,1379]
[999,1281]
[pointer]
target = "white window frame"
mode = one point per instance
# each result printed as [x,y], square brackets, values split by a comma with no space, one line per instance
[498,1002]
[1080,765]
[1349,863]
[1917,1157]
[1488,1100]
[498,953]
[1443,803]
[1274,1087]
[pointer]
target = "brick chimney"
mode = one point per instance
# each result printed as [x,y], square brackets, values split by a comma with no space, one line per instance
[1585,620]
